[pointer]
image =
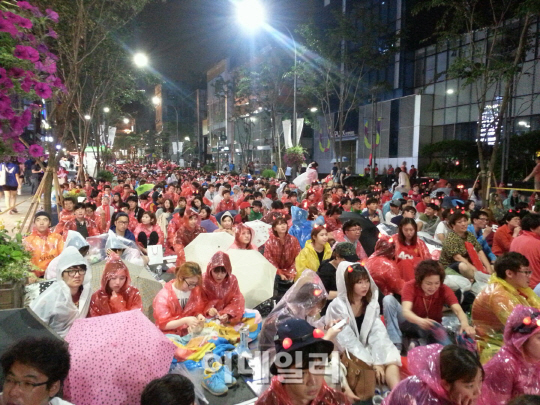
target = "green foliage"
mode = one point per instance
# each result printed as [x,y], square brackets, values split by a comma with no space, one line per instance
[234,173]
[14,257]
[294,156]
[269,174]
[105,175]
[359,182]
[211,167]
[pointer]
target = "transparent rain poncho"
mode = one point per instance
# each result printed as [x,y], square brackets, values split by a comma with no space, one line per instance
[132,253]
[55,306]
[74,239]
[510,372]
[104,302]
[371,343]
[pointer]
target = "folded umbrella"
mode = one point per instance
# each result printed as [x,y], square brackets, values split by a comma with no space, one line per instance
[113,357]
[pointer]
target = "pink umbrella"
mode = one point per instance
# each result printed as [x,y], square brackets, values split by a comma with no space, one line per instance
[113,357]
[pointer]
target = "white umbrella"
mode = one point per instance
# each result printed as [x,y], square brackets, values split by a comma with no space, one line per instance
[255,275]
[203,247]
[262,232]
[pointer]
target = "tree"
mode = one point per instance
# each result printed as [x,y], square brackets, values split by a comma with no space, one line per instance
[336,60]
[498,36]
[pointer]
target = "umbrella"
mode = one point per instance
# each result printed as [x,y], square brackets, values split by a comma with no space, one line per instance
[209,225]
[255,275]
[262,232]
[370,232]
[144,188]
[113,357]
[141,278]
[203,247]
[17,324]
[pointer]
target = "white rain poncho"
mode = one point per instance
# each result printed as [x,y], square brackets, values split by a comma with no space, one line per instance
[74,239]
[371,344]
[131,254]
[55,306]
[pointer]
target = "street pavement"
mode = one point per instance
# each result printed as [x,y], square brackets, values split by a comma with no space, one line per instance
[12,222]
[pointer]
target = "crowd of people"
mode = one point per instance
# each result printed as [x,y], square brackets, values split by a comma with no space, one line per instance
[424,287]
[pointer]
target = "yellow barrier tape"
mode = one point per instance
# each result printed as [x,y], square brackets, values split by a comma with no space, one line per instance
[512,188]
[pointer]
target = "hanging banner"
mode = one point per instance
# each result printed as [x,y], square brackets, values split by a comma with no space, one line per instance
[378,138]
[287,133]
[366,131]
[299,127]
[174,148]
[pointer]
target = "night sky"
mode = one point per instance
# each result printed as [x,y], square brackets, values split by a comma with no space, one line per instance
[183,38]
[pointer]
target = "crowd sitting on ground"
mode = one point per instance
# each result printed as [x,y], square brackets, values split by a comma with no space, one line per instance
[383,278]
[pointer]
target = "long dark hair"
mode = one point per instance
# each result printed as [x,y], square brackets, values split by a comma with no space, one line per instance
[401,236]
[352,277]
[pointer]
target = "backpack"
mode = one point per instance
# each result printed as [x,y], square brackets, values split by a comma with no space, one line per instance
[3,170]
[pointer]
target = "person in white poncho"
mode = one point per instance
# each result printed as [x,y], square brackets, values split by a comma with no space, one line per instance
[364,335]
[75,239]
[68,298]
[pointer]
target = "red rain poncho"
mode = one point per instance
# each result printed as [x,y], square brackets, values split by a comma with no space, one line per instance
[167,308]
[282,254]
[148,229]
[508,373]
[276,394]
[44,248]
[237,243]
[226,296]
[383,268]
[186,234]
[407,257]
[63,218]
[91,227]
[128,298]
[424,386]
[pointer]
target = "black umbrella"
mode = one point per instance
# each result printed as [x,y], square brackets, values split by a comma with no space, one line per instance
[370,232]
[17,324]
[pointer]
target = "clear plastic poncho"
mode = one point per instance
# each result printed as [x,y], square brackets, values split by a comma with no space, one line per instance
[383,269]
[305,295]
[55,306]
[104,302]
[371,343]
[225,296]
[424,386]
[509,374]
[74,239]
[132,253]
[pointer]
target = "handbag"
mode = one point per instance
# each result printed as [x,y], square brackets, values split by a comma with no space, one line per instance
[155,254]
[360,376]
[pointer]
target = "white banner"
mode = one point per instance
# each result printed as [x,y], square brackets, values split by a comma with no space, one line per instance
[299,126]
[287,133]
[174,148]
[180,147]
[107,138]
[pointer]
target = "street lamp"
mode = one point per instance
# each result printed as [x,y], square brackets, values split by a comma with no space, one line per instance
[186,138]
[313,109]
[106,110]
[126,120]
[156,100]
[87,117]
[140,59]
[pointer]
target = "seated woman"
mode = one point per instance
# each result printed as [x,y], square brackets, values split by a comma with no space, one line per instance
[243,237]
[68,298]
[410,250]
[243,215]
[281,250]
[514,370]
[331,218]
[448,375]
[422,299]
[364,334]
[317,250]
[148,231]
[206,213]
[178,307]
[189,229]
[116,293]
[226,222]
[221,292]
[383,268]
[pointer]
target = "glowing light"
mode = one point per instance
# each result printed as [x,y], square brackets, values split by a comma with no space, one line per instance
[156,100]
[287,342]
[318,334]
[106,110]
[316,293]
[140,59]
[250,13]
[527,321]
[87,117]
[126,120]
[313,109]
[450,91]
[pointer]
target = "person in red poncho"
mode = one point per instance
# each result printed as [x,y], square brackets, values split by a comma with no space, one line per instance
[116,293]
[42,243]
[65,215]
[190,228]
[221,292]
[281,250]
[383,268]
[243,237]
[148,232]
[410,250]
[178,307]
[86,227]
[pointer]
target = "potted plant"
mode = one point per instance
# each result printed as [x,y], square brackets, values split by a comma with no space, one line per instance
[294,156]
[14,271]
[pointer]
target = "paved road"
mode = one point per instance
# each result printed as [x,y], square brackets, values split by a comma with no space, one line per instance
[12,221]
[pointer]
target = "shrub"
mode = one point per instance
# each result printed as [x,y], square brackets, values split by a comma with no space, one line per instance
[105,175]
[269,173]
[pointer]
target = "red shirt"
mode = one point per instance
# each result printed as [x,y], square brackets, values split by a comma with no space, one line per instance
[226,206]
[528,244]
[428,306]
[502,240]
[421,207]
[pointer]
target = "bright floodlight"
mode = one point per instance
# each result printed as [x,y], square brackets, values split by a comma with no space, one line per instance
[87,117]
[140,59]
[126,120]
[187,138]
[156,100]
[313,109]
[250,13]
[106,109]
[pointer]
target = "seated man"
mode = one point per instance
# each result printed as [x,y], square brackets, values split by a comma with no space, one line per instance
[42,243]
[408,212]
[479,228]
[65,215]
[351,232]
[395,206]
[86,227]
[428,221]
[299,373]
[34,370]
[506,233]
[372,211]
[507,288]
